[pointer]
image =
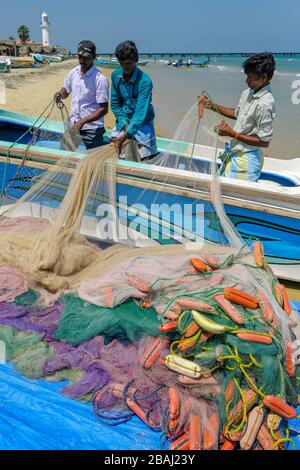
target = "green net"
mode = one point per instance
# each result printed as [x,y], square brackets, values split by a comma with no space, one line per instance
[82,321]
[26,350]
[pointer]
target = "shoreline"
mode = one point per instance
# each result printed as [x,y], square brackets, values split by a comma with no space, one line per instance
[29,91]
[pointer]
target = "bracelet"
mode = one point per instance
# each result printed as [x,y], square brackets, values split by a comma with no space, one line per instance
[236,135]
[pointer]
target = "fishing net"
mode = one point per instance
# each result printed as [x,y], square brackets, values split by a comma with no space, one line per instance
[46,133]
[191,333]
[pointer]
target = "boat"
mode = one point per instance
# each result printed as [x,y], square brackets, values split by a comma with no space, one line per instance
[40,59]
[22,62]
[190,64]
[268,210]
[48,58]
[5,65]
[114,63]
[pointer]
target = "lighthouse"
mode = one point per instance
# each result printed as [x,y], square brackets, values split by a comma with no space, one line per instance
[45,29]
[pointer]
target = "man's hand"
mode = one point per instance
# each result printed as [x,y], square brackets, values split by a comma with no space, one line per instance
[61,95]
[58,96]
[205,101]
[224,130]
[118,143]
[77,126]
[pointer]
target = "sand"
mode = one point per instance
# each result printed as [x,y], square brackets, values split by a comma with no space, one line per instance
[29,91]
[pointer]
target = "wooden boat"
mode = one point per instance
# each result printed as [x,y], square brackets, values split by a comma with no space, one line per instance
[22,62]
[114,64]
[268,209]
[46,58]
[190,64]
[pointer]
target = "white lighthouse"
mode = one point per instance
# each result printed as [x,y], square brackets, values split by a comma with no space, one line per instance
[45,29]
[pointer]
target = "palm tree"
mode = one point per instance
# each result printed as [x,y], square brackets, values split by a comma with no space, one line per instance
[23,32]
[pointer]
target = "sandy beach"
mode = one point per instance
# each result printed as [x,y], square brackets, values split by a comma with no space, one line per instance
[29,91]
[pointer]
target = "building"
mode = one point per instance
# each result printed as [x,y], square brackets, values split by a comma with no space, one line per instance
[16,48]
[45,29]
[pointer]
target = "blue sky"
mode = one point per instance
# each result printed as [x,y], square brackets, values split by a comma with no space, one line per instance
[162,25]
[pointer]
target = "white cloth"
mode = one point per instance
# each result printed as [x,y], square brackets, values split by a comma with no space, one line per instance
[88,92]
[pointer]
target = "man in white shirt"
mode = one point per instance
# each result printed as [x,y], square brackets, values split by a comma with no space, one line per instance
[254,115]
[90,97]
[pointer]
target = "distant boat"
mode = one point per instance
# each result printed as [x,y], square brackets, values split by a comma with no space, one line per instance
[190,64]
[142,63]
[5,65]
[114,63]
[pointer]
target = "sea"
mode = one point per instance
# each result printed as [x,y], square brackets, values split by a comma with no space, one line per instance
[176,89]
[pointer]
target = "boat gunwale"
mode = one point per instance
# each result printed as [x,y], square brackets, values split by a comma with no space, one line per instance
[245,187]
[125,170]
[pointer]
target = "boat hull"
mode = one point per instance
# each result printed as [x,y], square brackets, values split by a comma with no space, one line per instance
[269,213]
[112,64]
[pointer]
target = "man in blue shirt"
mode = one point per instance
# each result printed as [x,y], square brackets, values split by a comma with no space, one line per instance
[131,103]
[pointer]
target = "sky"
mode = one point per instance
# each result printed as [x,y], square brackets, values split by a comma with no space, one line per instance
[161,25]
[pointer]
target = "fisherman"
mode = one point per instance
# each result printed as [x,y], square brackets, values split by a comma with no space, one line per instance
[90,98]
[254,115]
[131,103]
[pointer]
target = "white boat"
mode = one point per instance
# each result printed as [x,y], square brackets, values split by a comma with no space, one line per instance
[268,210]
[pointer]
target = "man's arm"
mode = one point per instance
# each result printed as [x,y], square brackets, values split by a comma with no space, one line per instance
[252,140]
[116,106]
[61,94]
[65,91]
[225,130]
[226,112]
[223,110]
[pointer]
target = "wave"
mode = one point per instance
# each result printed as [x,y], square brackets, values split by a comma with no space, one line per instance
[287,74]
[234,69]
[224,68]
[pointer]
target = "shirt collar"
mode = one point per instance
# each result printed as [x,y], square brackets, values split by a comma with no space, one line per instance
[261,92]
[88,73]
[133,78]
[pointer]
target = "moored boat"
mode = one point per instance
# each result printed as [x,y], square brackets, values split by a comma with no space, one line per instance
[48,57]
[114,64]
[190,64]
[268,210]
[22,62]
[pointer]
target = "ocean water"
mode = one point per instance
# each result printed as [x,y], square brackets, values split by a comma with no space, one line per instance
[175,91]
